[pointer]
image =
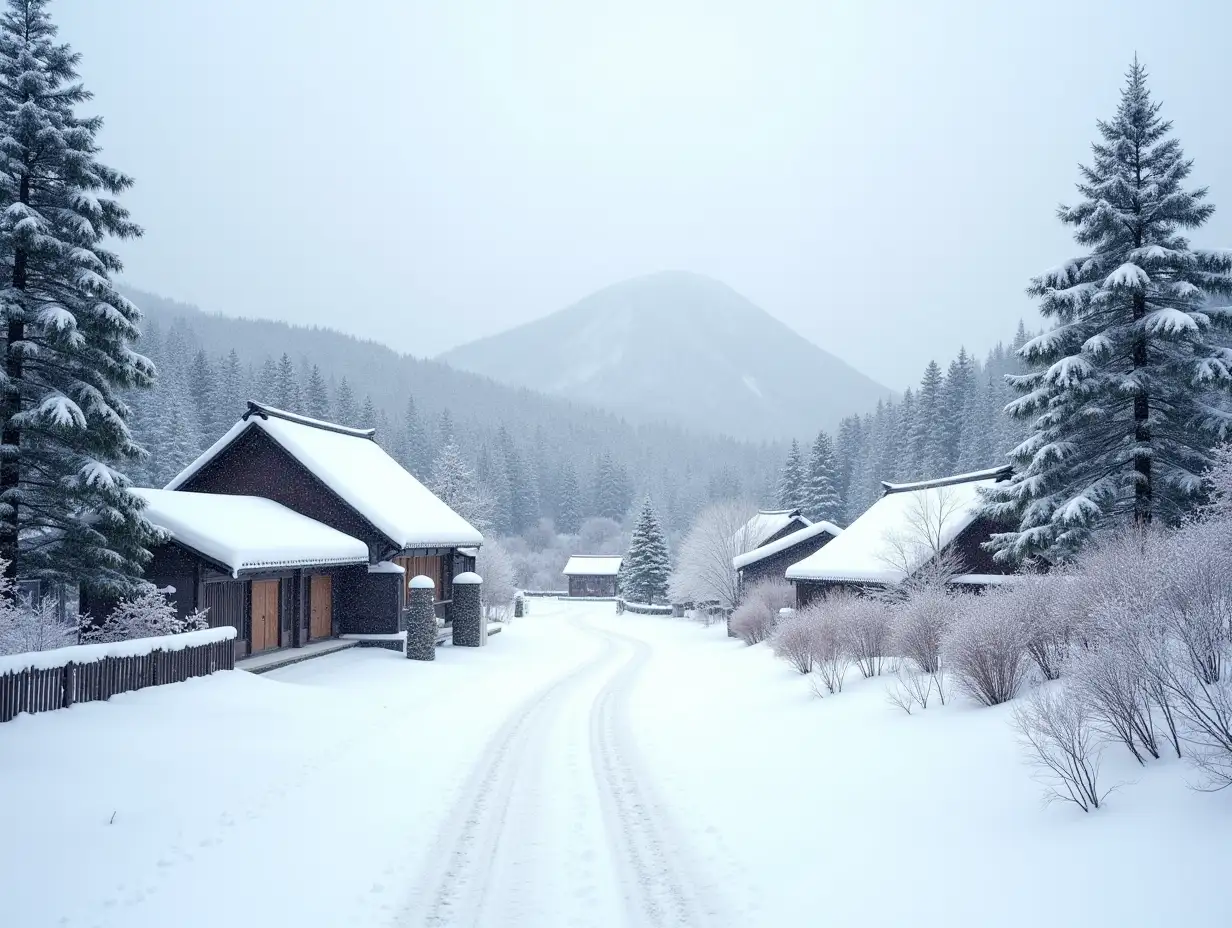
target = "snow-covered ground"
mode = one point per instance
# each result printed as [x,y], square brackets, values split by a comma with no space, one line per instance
[584,769]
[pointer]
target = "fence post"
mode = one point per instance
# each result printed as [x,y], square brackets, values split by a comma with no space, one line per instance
[68,682]
[469,628]
[421,620]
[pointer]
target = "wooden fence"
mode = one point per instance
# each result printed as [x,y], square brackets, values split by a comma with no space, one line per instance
[40,689]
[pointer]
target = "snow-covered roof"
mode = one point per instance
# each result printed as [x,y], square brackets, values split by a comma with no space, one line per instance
[248,532]
[357,469]
[766,523]
[887,544]
[592,565]
[787,541]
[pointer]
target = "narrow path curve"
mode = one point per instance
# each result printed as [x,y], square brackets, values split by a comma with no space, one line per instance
[558,823]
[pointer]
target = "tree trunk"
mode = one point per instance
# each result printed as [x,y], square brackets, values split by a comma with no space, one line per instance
[10,434]
[1143,503]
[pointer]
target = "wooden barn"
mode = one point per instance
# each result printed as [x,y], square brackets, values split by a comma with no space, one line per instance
[593,575]
[903,532]
[766,526]
[771,560]
[341,477]
[271,573]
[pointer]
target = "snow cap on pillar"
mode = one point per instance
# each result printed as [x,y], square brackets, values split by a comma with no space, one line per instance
[422,583]
[468,577]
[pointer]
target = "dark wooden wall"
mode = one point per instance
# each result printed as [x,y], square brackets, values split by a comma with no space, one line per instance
[367,604]
[592,585]
[775,566]
[969,547]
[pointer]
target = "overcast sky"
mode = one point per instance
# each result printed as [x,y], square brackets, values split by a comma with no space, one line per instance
[880,176]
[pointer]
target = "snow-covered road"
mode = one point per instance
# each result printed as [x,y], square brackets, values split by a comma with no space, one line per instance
[585,770]
[559,823]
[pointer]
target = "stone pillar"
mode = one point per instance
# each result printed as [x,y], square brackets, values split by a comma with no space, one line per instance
[470,630]
[421,621]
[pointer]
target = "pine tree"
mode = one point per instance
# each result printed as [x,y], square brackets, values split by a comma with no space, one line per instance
[203,390]
[345,412]
[956,395]
[232,385]
[65,513]
[286,385]
[821,499]
[928,428]
[454,483]
[568,500]
[367,414]
[610,490]
[316,395]
[645,569]
[1125,388]
[267,381]
[444,427]
[791,483]
[416,453]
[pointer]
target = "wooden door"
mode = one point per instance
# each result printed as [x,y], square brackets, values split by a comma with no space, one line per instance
[265,615]
[321,606]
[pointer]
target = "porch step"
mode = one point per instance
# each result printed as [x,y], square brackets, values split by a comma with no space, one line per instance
[262,663]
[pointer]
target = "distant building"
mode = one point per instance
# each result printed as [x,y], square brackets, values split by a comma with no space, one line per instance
[771,560]
[593,575]
[902,532]
[767,526]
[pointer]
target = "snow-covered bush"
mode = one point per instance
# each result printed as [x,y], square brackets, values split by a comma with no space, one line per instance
[864,626]
[1046,610]
[920,622]
[495,566]
[25,627]
[985,648]
[830,657]
[1055,729]
[146,614]
[754,619]
[793,640]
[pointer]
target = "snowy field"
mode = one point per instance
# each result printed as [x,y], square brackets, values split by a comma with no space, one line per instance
[584,769]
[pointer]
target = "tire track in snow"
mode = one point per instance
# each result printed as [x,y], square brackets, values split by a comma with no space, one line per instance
[661,881]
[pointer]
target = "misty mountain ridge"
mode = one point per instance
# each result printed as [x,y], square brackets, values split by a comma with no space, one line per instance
[679,348]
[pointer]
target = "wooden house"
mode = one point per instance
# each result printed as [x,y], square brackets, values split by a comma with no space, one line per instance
[270,572]
[341,477]
[771,560]
[592,575]
[766,526]
[904,531]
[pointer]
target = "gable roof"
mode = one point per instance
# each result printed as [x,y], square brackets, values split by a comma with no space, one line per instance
[799,536]
[883,545]
[359,472]
[765,524]
[248,532]
[592,565]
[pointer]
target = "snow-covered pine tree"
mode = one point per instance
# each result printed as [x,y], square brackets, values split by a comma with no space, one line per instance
[345,411]
[610,490]
[792,480]
[956,394]
[897,459]
[203,390]
[68,332]
[1127,392]
[316,395]
[568,500]
[232,386]
[444,427]
[267,380]
[821,499]
[367,413]
[646,567]
[286,385]
[417,456]
[928,428]
[454,482]
[847,447]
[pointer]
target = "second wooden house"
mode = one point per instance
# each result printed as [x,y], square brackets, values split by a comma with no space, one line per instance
[341,477]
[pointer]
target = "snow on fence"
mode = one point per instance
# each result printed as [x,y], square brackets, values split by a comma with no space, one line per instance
[45,680]
[545,592]
[645,608]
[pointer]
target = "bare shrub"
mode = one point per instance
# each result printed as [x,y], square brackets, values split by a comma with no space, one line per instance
[1056,731]
[911,688]
[704,571]
[920,622]
[793,641]
[985,648]
[830,657]
[754,619]
[864,626]
[1039,603]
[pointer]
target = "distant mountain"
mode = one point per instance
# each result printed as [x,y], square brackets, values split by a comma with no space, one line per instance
[680,348]
[680,471]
